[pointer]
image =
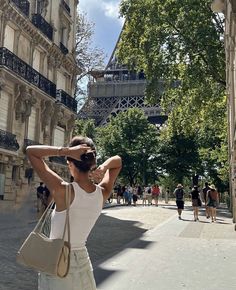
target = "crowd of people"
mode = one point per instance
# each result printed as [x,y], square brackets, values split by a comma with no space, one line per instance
[129,195]
[149,195]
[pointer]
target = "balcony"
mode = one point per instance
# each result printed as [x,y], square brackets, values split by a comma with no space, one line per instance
[58,159]
[66,6]
[42,25]
[8,141]
[67,100]
[28,142]
[22,5]
[63,49]
[22,69]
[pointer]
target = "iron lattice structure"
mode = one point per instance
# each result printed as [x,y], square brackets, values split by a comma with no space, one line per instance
[116,89]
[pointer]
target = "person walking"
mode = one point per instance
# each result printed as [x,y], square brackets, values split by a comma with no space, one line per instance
[167,194]
[40,191]
[204,192]
[135,196]
[212,201]
[87,200]
[155,193]
[196,201]
[179,195]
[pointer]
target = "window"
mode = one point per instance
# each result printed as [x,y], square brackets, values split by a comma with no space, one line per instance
[15,176]
[2,180]
[61,81]
[36,60]
[9,38]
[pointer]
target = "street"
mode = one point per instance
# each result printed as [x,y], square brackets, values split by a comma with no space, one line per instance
[137,248]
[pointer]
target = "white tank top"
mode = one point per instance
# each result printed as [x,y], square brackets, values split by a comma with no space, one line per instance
[84,212]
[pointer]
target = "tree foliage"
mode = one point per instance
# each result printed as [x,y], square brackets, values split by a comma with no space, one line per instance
[179,44]
[131,136]
[85,128]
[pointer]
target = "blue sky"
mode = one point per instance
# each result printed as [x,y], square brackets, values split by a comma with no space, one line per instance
[105,15]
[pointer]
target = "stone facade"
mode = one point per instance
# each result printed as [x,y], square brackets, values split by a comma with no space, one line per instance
[228,7]
[230,46]
[37,81]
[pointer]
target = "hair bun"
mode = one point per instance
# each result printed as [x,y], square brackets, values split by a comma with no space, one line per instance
[88,157]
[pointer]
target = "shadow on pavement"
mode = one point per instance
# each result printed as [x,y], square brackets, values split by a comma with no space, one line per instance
[108,238]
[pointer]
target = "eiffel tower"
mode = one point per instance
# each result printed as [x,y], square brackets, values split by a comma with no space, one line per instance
[116,89]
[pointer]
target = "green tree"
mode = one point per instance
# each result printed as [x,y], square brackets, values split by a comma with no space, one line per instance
[131,136]
[173,40]
[179,44]
[85,128]
[179,156]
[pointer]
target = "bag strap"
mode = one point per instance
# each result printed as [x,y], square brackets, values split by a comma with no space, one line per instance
[42,220]
[67,220]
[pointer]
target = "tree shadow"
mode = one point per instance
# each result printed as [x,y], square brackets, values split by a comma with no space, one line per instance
[108,238]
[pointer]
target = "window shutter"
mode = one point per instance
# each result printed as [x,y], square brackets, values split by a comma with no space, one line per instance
[4,103]
[59,136]
[32,124]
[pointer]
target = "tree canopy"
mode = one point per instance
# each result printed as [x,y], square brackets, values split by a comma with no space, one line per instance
[131,136]
[179,45]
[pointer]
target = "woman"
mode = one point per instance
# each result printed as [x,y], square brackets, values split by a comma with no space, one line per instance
[212,201]
[86,203]
[195,201]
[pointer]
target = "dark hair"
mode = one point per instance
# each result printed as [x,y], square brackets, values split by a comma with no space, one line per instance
[88,160]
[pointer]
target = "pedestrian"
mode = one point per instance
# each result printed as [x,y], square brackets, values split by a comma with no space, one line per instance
[212,201]
[40,190]
[87,200]
[167,194]
[126,195]
[145,195]
[135,196]
[196,201]
[204,193]
[47,197]
[130,194]
[139,191]
[119,193]
[179,195]
[155,193]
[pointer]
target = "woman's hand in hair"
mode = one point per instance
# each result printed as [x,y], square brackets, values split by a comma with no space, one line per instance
[98,174]
[75,152]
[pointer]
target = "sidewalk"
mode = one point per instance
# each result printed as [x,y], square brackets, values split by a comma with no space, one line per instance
[178,254]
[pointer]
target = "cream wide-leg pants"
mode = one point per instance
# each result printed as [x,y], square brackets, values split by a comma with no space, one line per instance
[80,276]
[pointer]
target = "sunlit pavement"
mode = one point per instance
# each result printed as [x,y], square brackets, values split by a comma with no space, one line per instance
[143,247]
[177,254]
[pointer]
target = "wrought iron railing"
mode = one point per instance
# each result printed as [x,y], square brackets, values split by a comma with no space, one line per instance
[8,141]
[66,6]
[23,5]
[42,25]
[28,142]
[21,68]
[64,49]
[67,100]
[58,159]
